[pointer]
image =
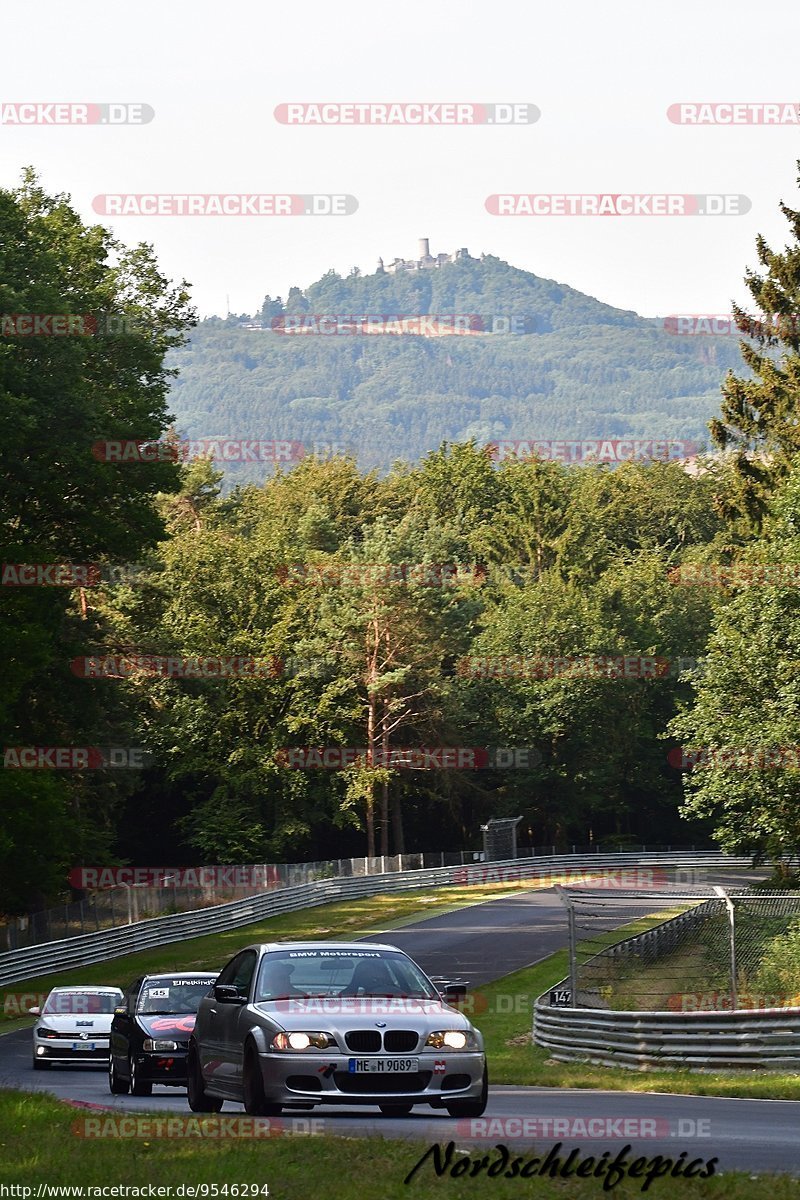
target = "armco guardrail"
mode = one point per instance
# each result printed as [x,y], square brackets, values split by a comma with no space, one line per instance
[742,1039]
[32,961]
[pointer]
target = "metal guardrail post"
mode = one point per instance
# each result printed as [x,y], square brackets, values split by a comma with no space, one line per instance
[573,949]
[732,939]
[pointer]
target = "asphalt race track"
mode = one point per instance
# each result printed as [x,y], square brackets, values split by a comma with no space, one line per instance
[482,943]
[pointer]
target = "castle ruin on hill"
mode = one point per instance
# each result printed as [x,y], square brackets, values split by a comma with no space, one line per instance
[425,262]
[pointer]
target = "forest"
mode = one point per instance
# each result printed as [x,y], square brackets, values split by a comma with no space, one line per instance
[333,659]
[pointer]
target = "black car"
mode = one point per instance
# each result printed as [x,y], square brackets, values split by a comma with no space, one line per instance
[150,1031]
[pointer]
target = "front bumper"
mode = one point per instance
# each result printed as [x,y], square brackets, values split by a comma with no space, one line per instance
[56,1050]
[325,1078]
[168,1067]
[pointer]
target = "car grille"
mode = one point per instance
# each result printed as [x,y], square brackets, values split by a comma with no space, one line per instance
[363,1041]
[369,1041]
[356,1084]
[75,1037]
[400,1041]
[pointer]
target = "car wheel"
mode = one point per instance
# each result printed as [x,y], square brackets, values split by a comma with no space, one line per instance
[40,1065]
[255,1103]
[117,1086]
[198,1097]
[139,1086]
[395,1110]
[471,1108]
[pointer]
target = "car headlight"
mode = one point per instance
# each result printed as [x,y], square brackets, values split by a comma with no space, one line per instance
[302,1041]
[46,1033]
[158,1044]
[454,1039]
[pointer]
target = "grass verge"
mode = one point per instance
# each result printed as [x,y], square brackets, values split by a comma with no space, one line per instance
[38,1145]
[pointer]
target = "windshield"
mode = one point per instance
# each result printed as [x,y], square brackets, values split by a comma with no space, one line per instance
[172,995]
[65,1003]
[301,974]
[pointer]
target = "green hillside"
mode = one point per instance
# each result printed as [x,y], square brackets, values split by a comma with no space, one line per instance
[583,370]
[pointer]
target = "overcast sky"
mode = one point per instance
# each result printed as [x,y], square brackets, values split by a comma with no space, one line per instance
[603,77]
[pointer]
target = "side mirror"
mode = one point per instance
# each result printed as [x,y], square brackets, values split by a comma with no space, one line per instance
[227,993]
[120,1011]
[35,1011]
[454,991]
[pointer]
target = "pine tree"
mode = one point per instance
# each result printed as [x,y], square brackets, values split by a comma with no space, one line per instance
[760,419]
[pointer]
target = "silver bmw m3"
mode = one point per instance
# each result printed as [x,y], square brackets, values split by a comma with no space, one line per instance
[299,1024]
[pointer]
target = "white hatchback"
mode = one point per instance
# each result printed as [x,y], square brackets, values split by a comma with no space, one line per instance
[74,1025]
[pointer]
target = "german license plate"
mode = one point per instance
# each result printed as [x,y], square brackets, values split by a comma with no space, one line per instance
[383,1066]
[83,1045]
